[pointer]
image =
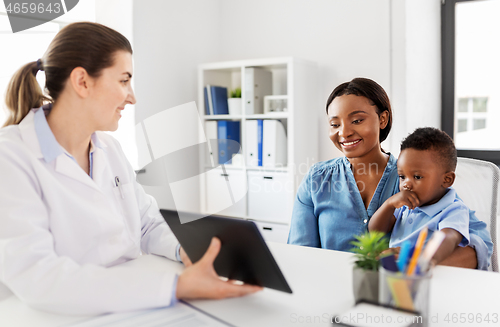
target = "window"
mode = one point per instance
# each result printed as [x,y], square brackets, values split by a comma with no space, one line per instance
[471,115]
[470,66]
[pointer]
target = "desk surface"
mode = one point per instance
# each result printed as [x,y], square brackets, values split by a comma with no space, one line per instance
[321,281]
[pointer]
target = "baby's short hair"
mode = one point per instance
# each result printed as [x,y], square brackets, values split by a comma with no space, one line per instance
[429,138]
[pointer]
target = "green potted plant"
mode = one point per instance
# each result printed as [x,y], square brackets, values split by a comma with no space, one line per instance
[234,102]
[367,249]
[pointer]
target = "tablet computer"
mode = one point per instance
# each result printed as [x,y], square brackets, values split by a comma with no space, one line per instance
[243,256]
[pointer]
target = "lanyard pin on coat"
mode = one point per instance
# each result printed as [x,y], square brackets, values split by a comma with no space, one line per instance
[119,185]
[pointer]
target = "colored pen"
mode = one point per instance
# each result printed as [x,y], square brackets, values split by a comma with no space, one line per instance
[418,249]
[431,248]
[404,253]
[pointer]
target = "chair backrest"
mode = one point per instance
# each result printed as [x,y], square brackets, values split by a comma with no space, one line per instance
[477,184]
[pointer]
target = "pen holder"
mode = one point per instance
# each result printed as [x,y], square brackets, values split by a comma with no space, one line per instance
[405,292]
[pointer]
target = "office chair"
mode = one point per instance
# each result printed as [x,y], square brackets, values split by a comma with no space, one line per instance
[477,184]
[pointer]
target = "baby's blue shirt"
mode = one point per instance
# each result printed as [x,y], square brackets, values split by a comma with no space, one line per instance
[448,212]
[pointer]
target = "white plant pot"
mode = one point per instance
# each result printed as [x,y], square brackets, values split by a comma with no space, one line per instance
[365,284]
[234,105]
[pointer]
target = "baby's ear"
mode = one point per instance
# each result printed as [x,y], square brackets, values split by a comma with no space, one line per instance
[449,179]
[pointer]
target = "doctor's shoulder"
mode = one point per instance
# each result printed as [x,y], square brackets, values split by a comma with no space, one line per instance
[113,149]
[13,147]
[109,143]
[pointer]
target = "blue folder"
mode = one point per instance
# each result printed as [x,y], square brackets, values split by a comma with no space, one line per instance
[260,130]
[227,132]
[219,100]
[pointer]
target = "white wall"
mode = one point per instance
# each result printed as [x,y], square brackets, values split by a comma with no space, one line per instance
[416,67]
[423,63]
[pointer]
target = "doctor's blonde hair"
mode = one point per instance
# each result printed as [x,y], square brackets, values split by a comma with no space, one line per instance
[91,46]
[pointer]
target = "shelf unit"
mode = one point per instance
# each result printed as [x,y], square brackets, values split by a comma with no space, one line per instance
[270,208]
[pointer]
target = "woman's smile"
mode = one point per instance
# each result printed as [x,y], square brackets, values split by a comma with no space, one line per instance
[350,144]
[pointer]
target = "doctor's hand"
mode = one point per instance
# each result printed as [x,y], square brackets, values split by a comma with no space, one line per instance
[200,281]
[184,258]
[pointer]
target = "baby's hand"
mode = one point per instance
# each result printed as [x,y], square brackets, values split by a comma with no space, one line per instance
[390,251]
[404,198]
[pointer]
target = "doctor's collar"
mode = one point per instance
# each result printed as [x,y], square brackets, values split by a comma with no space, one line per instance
[49,146]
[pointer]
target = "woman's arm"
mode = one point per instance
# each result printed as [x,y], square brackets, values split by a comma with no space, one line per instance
[478,252]
[156,236]
[448,246]
[480,242]
[383,219]
[304,229]
[463,257]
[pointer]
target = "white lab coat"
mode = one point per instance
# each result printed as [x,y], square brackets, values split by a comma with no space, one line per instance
[62,234]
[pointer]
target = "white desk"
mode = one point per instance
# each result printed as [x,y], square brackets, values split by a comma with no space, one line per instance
[321,282]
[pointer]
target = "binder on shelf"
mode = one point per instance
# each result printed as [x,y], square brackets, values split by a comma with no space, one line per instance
[252,147]
[258,83]
[208,101]
[227,132]
[216,100]
[260,131]
[219,100]
[213,151]
[274,144]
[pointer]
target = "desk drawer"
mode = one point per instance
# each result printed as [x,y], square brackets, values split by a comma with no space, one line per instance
[270,196]
[219,191]
[273,232]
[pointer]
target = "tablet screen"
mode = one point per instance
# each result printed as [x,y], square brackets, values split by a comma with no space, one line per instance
[244,254]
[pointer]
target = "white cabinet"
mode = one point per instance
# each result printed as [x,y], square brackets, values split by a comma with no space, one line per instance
[273,232]
[270,195]
[274,187]
[226,192]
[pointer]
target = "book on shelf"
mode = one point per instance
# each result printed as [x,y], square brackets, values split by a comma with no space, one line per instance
[215,100]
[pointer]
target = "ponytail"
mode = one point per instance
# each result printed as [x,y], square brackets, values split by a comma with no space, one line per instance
[24,93]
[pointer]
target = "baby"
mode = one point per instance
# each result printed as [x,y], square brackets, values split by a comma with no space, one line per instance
[426,169]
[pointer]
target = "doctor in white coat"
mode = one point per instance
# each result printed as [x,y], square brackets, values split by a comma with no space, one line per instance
[70,209]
